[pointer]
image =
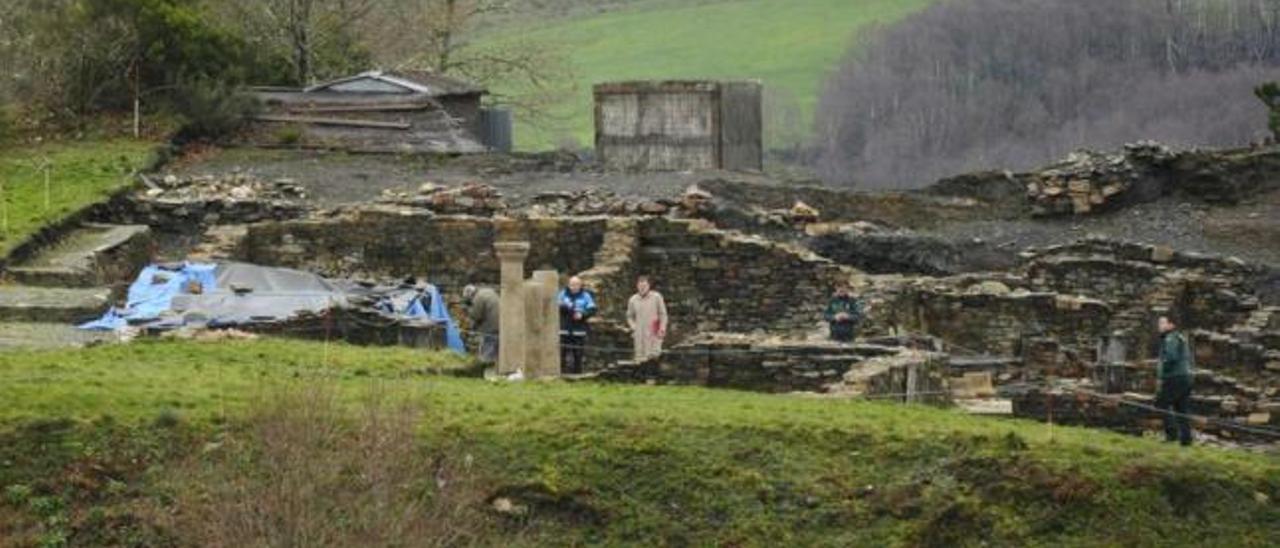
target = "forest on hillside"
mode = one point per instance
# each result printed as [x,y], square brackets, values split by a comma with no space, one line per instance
[1010,84]
[64,63]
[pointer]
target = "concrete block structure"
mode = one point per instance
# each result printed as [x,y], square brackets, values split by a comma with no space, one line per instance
[679,125]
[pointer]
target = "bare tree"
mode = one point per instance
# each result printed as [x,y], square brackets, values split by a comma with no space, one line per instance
[319,37]
[980,84]
[437,35]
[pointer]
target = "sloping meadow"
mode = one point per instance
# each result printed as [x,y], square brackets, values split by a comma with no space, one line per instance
[286,443]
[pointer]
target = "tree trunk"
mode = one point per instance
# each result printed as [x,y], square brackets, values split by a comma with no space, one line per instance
[300,31]
[446,37]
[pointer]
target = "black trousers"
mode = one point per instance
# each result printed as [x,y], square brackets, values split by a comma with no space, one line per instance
[571,350]
[846,333]
[1175,396]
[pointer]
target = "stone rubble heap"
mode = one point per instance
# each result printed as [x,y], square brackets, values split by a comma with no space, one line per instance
[229,187]
[183,204]
[1087,181]
[472,198]
[591,202]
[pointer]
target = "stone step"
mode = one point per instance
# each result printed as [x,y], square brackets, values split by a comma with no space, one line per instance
[90,256]
[20,303]
[39,336]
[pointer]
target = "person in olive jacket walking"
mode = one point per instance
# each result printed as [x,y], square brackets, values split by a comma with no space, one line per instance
[844,313]
[1174,374]
[483,306]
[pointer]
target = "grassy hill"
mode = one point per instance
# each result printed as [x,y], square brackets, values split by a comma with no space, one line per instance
[278,442]
[79,174]
[789,44]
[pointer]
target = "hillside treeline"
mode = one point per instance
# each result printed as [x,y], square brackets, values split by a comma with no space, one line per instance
[977,84]
[64,63]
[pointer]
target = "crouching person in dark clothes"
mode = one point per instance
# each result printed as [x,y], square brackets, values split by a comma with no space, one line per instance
[577,305]
[844,314]
[1174,374]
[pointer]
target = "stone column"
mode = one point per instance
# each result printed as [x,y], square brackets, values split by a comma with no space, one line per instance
[511,325]
[542,320]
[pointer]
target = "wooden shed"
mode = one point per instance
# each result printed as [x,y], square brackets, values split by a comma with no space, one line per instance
[403,111]
[679,125]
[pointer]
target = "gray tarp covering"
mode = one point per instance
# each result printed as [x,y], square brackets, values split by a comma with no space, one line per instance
[247,293]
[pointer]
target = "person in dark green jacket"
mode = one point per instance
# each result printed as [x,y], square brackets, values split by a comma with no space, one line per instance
[1174,374]
[844,314]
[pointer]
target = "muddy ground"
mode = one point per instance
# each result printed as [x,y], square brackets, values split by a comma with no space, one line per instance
[338,178]
[1250,231]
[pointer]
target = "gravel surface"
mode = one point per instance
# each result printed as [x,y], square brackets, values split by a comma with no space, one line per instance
[1250,231]
[1232,231]
[334,178]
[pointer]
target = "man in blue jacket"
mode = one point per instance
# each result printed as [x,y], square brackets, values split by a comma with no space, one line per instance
[577,305]
[1174,374]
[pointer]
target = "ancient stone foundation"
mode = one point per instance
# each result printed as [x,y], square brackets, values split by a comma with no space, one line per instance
[770,365]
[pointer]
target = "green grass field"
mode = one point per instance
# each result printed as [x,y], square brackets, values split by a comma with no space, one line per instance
[79,174]
[592,463]
[789,44]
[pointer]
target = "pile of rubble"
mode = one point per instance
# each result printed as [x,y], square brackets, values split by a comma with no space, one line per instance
[242,187]
[1088,181]
[472,198]
[180,204]
[591,202]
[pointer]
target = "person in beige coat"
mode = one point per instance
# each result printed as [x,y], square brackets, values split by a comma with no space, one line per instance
[647,319]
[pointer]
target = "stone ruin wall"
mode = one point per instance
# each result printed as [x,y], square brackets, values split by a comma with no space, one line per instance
[721,281]
[449,252]
[999,324]
[712,280]
[725,360]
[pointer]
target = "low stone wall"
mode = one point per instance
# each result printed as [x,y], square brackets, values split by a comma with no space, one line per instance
[1000,323]
[906,210]
[1090,182]
[182,216]
[1098,278]
[908,253]
[358,326]
[715,280]
[739,362]
[1072,407]
[393,242]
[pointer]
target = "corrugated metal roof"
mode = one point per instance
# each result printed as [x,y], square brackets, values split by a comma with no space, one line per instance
[412,81]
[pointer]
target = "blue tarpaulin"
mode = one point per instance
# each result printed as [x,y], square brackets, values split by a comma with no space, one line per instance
[408,303]
[230,294]
[152,294]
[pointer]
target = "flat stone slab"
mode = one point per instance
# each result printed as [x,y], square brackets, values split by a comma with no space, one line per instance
[40,336]
[91,255]
[22,303]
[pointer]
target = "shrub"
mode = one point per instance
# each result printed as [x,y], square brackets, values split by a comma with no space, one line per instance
[1269,94]
[17,495]
[305,474]
[289,135]
[211,110]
